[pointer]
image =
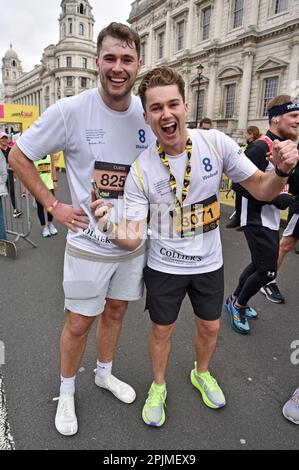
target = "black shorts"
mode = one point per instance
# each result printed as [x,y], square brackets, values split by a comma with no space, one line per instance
[264,247]
[166,292]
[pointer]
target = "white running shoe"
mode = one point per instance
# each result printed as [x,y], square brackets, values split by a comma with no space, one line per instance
[66,420]
[52,229]
[46,232]
[119,389]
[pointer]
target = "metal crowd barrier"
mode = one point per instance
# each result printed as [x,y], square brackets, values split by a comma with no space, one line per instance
[16,209]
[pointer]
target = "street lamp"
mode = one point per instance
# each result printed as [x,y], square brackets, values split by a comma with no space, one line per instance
[199,77]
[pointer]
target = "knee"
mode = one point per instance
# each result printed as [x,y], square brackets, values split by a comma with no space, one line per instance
[287,245]
[78,326]
[161,333]
[115,310]
[209,328]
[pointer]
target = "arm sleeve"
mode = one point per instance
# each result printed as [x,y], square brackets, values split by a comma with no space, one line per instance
[46,135]
[136,204]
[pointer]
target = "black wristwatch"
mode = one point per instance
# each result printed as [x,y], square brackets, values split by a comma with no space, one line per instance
[282,174]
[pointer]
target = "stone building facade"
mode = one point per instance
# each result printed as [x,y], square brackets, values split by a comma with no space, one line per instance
[66,68]
[249,50]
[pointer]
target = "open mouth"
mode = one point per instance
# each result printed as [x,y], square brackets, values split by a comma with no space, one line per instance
[117,81]
[170,128]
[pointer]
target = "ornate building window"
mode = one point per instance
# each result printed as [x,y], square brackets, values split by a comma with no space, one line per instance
[270,91]
[83,83]
[58,62]
[81,29]
[230,95]
[81,9]
[180,35]
[206,23]
[280,6]
[70,26]
[14,64]
[69,81]
[84,63]
[161,44]
[69,62]
[143,52]
[238,11]
[200,101]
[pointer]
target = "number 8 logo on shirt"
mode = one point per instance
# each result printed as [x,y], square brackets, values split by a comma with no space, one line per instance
[207,165]
[142,138]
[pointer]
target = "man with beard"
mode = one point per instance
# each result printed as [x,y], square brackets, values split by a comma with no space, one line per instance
[101,131]
[261,220]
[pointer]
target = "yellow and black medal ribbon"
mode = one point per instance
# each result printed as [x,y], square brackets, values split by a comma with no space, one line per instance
[172,181]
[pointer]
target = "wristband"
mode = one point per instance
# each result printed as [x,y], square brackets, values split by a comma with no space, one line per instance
[282,174]
[53,205]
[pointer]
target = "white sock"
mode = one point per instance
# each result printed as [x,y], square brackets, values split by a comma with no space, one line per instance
[67,385]
[103,369]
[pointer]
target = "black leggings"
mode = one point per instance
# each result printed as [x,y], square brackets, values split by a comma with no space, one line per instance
[250,283]
[41,212]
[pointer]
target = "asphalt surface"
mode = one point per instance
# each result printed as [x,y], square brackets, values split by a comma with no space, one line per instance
[255,371]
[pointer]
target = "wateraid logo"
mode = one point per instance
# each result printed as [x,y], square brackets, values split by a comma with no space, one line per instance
[2,353]
[295,354]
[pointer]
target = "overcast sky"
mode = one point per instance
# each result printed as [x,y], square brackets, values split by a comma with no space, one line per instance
[31,25]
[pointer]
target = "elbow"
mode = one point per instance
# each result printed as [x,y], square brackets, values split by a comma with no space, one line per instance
[134,244]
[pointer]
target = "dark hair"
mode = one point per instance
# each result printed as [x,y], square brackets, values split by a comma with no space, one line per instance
[254,131]
[120,31]
[205,120]
[278,101]
[161,76]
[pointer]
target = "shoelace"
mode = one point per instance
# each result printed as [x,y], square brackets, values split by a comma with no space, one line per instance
[64,407]
[155,398]
[275,289]
[209,382]
[241,313]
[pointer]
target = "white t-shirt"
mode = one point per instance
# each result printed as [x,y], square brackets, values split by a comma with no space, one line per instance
[88,131]
[213,153]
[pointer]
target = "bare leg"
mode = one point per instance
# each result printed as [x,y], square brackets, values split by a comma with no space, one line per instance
[286,245]
[159,347]
[205,342]
[73,342]
[109,328]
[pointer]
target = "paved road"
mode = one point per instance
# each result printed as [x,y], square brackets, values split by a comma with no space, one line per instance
[255,371]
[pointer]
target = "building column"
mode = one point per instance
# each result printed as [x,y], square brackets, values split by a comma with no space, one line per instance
[168,36]
[254,14]
[191,15]
[245,90]
[212,87]
[150,41]
[218,19]
[293,75]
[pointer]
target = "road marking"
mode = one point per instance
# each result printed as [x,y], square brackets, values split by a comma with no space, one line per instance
[6,439]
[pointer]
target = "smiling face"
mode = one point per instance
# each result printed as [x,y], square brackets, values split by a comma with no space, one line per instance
[118,65]
[286,125]
[166,114]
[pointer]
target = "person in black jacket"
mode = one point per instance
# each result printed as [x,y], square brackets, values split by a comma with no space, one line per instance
[261,220]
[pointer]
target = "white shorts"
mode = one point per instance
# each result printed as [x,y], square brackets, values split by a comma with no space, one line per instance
[87,284]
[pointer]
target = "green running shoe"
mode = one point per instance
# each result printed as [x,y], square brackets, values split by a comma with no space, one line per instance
[211,393]
[153,412]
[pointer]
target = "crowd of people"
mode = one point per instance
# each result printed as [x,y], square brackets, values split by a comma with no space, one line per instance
[174,184]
